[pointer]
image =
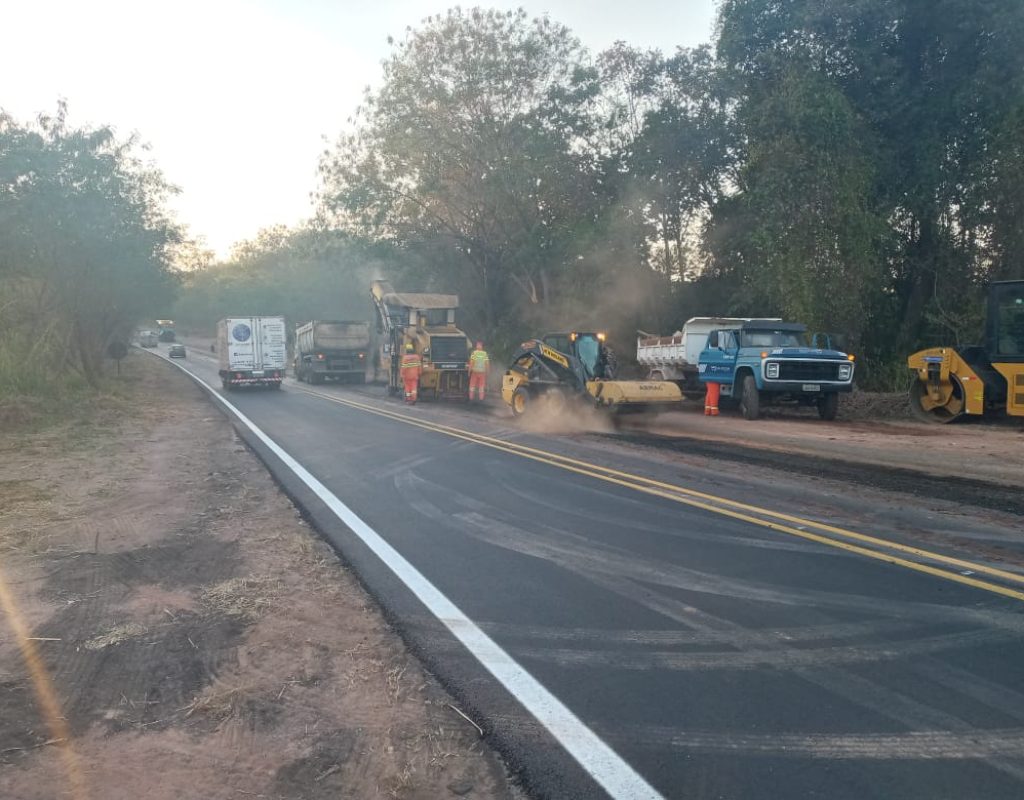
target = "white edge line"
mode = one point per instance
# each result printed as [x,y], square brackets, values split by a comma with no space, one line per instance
[600,761]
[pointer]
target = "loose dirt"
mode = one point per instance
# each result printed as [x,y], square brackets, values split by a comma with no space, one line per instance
[199,638]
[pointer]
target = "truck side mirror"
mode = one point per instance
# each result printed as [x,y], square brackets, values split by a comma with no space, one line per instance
[713,339]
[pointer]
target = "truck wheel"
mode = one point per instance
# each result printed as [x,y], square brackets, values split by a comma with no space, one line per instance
[520,402]
[316,380]
[226,384]
[750,398]
[828,406]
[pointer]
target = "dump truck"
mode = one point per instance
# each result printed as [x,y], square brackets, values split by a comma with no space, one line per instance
[331,350]
[252,351]
[165,330]
[427,322]
[764,362]
[953,383]
[674,358]
[576,367]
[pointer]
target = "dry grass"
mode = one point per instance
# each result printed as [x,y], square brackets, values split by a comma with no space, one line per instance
[246,598]
[115,635]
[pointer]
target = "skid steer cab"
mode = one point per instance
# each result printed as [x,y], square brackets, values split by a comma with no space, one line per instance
[561,370]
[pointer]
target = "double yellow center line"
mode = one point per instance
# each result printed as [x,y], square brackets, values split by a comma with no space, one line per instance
[950,568]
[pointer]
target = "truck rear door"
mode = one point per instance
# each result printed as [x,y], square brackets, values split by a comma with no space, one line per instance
[240,336]
[271,343]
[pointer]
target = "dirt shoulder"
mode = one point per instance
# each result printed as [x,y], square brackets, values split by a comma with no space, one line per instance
[200,639]
[972,451]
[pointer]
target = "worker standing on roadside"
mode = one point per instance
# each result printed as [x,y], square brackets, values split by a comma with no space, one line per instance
[411,366]
[479,364]
[711,398]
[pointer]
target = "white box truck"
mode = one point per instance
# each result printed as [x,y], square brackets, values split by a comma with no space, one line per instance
[252,351]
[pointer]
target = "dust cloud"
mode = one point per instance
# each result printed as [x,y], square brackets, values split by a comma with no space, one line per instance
[566,417]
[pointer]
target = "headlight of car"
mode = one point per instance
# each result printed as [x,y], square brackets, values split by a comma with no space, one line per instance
[771,369]
[845,371]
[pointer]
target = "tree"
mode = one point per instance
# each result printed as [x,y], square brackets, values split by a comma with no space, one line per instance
[936,93]
[476,152]
[86,241]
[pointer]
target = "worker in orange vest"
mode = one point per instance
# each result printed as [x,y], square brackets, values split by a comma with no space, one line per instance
[711,398]
[411,366]
[479,364]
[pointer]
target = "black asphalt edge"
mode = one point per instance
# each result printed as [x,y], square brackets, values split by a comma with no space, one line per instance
[967,491]
[468,682]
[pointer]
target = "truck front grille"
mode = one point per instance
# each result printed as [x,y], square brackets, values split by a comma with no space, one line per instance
[808,370]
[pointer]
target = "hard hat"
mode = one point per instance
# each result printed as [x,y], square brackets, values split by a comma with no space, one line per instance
[409,347]
[479,345]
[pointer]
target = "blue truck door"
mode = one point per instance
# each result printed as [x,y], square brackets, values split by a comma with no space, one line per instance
[718,363]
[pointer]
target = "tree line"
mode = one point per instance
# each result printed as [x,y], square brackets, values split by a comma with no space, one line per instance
[853,164]
[857,165]
[86,250]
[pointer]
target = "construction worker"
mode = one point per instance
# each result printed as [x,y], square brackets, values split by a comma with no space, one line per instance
[479,364]
[711,398]
[411,366]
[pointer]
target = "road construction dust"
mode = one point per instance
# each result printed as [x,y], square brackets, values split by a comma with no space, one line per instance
[561,418]
[201,640]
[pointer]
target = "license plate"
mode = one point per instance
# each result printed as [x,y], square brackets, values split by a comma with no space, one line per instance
[257,373]
[811,387]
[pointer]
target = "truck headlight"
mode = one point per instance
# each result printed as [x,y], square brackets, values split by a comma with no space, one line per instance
[845,371]
[771,369]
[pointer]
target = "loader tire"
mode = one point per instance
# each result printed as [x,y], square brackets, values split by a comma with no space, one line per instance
[750,398]
[520,402]
[828,406]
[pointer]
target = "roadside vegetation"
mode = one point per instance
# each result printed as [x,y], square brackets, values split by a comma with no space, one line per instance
[855,166]
[86,248]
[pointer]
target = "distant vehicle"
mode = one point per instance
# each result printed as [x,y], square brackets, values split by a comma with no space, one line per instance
[331,349]
[251,351]
[176,351]
[166,330]
[148,339]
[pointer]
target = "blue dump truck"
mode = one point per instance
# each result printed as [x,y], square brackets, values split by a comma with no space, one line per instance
[761,362]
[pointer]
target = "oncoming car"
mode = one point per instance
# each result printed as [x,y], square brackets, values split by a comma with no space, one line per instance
[176,351]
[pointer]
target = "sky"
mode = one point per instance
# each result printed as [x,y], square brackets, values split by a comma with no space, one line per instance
[236,99]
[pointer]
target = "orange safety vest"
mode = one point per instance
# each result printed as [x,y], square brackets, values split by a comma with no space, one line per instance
[479,361]
[411,361]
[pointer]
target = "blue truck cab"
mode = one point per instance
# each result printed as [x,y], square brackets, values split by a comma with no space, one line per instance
[765,362]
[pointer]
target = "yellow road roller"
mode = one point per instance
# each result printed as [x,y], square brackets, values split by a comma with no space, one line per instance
[954,383]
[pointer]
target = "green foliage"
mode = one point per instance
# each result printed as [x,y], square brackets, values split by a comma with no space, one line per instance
[300,274]
[475,154]
[85,250]
[881,149]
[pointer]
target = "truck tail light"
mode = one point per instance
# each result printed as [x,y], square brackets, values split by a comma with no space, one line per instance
[319,356]
[362,355]
[238,376]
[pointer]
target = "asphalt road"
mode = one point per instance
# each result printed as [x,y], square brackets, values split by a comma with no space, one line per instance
[721,650]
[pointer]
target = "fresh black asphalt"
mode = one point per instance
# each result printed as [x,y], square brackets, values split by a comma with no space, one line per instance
[718,658]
